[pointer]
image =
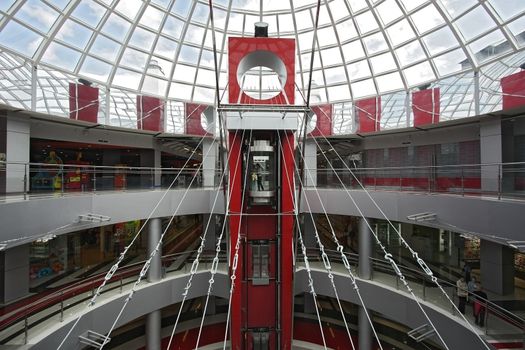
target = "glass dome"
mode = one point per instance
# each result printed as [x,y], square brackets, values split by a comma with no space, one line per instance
[164,48]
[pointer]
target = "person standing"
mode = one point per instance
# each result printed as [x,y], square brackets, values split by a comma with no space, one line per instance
[466,271]
[462,294]
[480,306]
[472,287]
[260,186]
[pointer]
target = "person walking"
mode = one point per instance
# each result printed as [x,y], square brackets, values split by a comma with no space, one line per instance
[462,294]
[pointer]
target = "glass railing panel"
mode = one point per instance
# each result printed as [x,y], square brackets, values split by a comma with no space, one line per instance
[49,178]
[499,322]
[494,179]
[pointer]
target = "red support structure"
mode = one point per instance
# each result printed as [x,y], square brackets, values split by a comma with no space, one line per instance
[150,113]
[83,102]
[235,165]
[323,126]
[239,48]
[193,115]
[513,88]
[425,106]
[287,222]
[262,306]
[368,114]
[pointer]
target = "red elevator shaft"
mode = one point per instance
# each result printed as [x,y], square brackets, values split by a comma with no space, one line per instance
[261,217]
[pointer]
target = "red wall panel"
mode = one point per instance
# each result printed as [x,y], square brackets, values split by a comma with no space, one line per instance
[192,124]
[425,106]
[323,126]
[150,113]
[369,114]
[261,305]
[83,102]
[513,88]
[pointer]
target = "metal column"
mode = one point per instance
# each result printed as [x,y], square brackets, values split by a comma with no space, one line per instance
[209,161]
[153,327]
[365,272]
[153,319]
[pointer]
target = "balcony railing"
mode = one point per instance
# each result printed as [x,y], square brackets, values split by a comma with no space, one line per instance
[499,322]
[501,180]
[16,325]
[494,179]
[42,178]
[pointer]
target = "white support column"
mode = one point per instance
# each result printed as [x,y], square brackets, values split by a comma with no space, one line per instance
[14,142]
[310,163]
[108,107]
[14,265]
[209,160]
[490,141]
[155,231]
[365,272]
[34,81]
[153,328]
[477,108]
[365,250]
[154,318]
[408,109]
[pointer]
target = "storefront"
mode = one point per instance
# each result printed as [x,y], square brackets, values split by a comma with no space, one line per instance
[91,251]
[65,166]
[82,250]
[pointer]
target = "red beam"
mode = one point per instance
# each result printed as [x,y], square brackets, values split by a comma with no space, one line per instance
[287,206]
[235,222]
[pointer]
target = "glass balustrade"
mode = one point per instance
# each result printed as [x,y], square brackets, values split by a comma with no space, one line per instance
[500,323]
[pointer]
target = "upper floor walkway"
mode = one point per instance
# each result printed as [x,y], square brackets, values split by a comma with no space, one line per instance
[450,198]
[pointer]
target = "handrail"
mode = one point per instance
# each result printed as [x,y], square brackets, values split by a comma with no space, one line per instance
[77,288]
[385,266]
[87,166]
[92,166]
[96,277]
[426,166]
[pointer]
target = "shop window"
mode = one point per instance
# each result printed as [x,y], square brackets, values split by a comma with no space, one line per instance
[519,264]
[47,258]
[260,262]
[448,154]
[472,249]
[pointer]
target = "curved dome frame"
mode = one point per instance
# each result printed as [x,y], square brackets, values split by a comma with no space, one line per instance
[364,47]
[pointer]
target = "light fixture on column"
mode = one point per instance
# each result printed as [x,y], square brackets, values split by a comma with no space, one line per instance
[422,217]
[89,217]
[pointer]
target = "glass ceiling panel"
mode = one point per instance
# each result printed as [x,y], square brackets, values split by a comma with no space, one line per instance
[363,48]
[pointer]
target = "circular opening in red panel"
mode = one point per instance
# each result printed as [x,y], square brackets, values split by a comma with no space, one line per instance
[261,75]
[312,122]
